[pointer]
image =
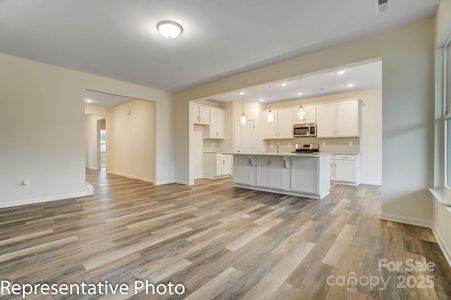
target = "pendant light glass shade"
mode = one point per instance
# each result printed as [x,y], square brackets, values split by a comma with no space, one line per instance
[270,117]
[270,114]
[243,118]
[300,113]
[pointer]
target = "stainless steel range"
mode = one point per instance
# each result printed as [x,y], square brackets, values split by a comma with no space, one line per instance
[306,148]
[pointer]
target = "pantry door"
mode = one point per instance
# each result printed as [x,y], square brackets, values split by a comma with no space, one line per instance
[245,136]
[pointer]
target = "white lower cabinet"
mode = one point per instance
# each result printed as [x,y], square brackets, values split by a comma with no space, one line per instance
[345,169]
[303,175]
[244,170]
[291,175]
[272,172]
[217,165]
[263,171]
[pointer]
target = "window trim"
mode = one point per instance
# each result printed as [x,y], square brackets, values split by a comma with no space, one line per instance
[446,109]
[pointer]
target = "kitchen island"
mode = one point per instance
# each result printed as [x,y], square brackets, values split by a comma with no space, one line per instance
[297,174]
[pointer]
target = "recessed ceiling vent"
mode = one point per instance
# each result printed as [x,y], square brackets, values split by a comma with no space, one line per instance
[382,5]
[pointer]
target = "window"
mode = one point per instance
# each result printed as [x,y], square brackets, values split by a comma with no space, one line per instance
[447,112]
[102,140]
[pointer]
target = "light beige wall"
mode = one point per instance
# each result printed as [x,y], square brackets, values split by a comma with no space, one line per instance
[42,129]
[407,56]
[92,109]
[131,150]
[228,145]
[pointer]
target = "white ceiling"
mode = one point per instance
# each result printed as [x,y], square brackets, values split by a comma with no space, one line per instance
[363,76]
[118,38]
[106,100]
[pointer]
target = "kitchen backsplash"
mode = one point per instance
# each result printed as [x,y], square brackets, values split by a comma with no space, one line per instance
[211,146]
[341,145]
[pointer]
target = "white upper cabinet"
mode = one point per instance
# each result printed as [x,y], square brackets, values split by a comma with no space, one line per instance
[217,124]
[347,118]
[325,119]
[200,113]
[340,119]
[282,127]
[285,123]
[310,115]
[204,115]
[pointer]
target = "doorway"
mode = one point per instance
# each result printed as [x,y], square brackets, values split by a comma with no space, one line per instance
[245,136]
[102,144]
[120,135]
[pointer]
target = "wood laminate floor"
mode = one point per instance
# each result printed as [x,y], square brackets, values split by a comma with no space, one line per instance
[221,242]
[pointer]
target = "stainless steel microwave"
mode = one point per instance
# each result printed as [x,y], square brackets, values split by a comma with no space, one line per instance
[304,130]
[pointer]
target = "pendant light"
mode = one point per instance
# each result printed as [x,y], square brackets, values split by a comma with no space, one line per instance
[301,111]
[243,118]
[270,114]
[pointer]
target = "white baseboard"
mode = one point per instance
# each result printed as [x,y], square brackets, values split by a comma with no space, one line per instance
[181,181]
[88,192]
[446,251]
[422,223]
[132,176]
[371,182]
[405,220]
[163,182]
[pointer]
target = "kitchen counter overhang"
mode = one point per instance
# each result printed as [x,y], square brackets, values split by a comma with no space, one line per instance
[297,174]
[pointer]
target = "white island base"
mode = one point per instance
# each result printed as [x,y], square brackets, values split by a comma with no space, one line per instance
[303,175]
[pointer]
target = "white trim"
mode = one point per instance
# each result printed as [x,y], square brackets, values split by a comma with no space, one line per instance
[371,182]
[88,192]
[131,176]
[217,177]
[442,244]
[344,183]
[163,182]
[422,223]
[405,220]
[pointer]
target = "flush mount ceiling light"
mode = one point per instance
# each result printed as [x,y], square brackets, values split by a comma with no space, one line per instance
[350,85]
[261,100]
[88,100]
[300,93]
[341,72]
[284,84]
[241,93]
[169,29]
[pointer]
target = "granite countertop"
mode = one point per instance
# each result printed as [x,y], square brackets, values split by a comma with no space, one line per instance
[280,154]
[344,153]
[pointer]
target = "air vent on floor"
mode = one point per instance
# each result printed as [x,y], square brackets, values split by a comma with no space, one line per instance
[382,5]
